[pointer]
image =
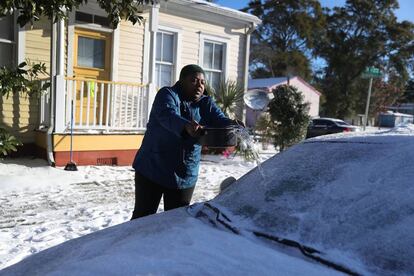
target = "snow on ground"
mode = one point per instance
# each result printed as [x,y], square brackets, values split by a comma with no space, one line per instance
[43,206]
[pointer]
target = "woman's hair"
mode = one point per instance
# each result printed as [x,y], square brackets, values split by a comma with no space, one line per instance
[190,69]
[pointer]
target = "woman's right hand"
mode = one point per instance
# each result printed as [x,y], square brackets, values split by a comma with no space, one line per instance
[193,128]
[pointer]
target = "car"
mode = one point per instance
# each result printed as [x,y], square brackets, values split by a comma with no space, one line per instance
[324,126]
[348,210]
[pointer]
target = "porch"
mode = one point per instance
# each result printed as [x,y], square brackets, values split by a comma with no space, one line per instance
[107,120]
[96,106]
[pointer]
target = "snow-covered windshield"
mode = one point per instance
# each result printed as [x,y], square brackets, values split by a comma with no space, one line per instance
[350,198]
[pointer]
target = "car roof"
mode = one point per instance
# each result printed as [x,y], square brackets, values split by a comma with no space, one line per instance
[329,119]
[350,197]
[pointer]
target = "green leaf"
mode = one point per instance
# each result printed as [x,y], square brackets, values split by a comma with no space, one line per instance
[13,148]
[228,96]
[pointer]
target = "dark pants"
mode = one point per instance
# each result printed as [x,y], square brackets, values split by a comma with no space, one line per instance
[148,195]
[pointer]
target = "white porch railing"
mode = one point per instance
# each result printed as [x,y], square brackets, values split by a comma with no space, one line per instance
[106,105]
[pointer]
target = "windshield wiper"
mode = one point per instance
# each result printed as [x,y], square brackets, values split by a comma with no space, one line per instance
[305,250]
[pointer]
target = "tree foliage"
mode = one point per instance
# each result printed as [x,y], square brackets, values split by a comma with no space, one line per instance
[23,79]
[288,116]
[265,129]
[408,94]
[384,94]
[358,35]
[281,44]
[30,11]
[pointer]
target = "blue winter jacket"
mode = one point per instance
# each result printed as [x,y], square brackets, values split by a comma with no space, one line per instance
[168,156]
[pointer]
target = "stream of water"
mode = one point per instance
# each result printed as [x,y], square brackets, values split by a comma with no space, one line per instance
[248,148]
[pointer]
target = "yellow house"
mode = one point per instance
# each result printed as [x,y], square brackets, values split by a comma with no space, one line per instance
[104,80]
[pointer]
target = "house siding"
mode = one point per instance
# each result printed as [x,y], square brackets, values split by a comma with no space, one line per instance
[131,52]
[309,96]
[38,42]
[19,114]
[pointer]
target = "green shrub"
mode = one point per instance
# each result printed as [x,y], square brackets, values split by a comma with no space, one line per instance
[289,116]
[8,143]
[228,97]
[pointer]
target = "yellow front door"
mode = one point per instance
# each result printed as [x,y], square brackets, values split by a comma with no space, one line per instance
[92,55]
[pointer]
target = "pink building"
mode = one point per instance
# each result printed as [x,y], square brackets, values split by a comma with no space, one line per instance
[260,91]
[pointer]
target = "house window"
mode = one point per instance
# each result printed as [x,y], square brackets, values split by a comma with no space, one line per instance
[164,59]
[91,52]
[213,62]
[6,41]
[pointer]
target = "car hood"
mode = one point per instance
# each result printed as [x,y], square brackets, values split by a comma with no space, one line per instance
[348,196]
[171,243]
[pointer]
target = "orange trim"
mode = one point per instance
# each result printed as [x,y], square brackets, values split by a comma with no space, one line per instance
[105,157]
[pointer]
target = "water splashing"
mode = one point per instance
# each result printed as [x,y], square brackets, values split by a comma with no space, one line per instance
[248,148]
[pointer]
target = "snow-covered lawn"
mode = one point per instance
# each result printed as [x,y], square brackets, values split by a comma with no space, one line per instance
[43,206]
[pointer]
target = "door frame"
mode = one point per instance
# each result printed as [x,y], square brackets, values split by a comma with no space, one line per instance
[94,35]
[94,73]
[114,59]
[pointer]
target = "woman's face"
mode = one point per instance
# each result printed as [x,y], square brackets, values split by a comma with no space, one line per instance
[193,86]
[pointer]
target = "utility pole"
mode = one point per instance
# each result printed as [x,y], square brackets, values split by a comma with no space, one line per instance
[369,73]
[367,105]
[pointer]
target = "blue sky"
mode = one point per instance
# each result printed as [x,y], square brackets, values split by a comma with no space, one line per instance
[406,11]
